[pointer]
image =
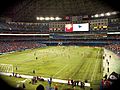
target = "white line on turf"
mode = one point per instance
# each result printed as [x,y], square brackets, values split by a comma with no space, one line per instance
[54,80]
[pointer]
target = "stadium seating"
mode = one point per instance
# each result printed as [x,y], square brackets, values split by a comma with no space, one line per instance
[115,48]
[14,46]
[28,26]
[3,26]
[24,26]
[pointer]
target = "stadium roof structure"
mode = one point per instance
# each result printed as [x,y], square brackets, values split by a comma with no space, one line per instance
[28,10]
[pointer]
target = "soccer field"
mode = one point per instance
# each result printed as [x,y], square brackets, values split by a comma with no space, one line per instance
[62,62]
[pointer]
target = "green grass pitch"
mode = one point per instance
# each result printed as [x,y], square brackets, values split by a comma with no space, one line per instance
[61,62]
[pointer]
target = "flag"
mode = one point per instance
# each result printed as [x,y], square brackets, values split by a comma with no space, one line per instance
[81,27]
[69,27]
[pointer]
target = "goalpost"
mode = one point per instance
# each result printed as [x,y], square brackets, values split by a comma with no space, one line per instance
[6,68]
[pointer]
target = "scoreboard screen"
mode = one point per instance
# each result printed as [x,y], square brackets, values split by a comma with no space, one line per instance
[77,27]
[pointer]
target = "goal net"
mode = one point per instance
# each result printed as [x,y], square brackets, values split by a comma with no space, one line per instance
[6,68]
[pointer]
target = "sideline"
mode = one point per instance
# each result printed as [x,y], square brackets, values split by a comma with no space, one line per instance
[46,79]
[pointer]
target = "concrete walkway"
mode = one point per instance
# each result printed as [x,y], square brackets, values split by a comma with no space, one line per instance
[46,79]
[114,62]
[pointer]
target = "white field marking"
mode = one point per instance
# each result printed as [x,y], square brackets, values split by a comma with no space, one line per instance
[60,70]
[95,66]
[46,79]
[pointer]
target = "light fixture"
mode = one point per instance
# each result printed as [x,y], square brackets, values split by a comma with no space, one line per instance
[102,14]
[47,18]
[42,18]
[57,18]
[52,18]
[37,18]
[108,14]
[96,15]
[113,13]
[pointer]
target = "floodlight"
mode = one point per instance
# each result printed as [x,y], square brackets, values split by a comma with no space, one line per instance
[42,18]
[37,18]
[102,14]
[57,18]
[96,15]
[108,14]
[52,18]
[47,18]
[113,13]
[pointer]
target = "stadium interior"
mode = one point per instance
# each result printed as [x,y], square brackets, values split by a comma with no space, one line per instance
[31,24]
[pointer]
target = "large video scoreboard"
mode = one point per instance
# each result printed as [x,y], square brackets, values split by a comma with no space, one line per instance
[76,27]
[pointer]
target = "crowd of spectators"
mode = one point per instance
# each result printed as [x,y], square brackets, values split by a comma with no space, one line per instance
[24,26]
[3,26]
[14,46]
[114,47]
[86,37]
[27,38]
[114,37]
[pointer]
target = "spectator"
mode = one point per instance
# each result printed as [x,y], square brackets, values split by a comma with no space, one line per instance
[56,87]
[105,76]
[5,86]
[77,82]
[34,71]
[13,73]
[40,87]
[68,81]
[23,86]
[72,82]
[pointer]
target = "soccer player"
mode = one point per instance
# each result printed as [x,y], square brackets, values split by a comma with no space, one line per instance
[108,63]
[36,58]
[103,57]
[108,69]
[34,71]
[16,68]
[110,56]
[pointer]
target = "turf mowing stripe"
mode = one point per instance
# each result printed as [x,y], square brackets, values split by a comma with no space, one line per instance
[87,69]
[96,63]
[60,70]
